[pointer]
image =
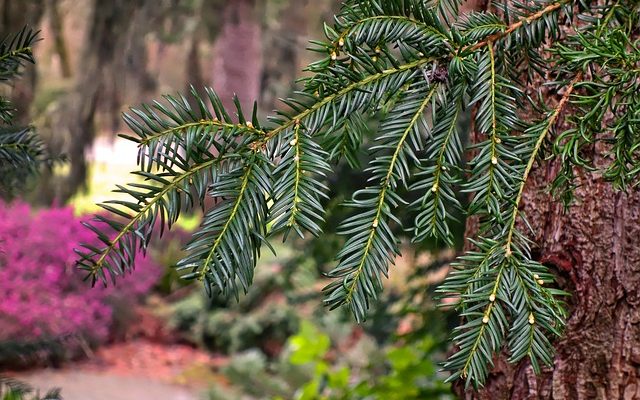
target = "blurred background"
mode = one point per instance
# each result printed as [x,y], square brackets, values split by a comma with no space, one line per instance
[155,336]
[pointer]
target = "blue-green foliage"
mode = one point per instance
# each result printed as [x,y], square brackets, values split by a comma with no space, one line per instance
[21,150]
[416,67]
[12,389]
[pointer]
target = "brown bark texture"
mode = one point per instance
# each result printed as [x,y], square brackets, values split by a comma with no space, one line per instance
[595,252]
[594,249]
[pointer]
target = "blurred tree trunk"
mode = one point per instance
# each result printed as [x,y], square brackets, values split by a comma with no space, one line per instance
[593,249]
[105,43]
[194,77]
[113,64]
[238,54]
[287,27]
[57,30]
[129,74]
[15,15]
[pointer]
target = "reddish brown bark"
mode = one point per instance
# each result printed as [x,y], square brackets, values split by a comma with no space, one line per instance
[594,250]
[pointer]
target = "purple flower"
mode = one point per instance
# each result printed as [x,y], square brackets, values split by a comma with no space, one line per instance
[43,294]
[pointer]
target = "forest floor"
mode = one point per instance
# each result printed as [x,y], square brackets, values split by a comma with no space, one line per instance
[139,370]
[78,385]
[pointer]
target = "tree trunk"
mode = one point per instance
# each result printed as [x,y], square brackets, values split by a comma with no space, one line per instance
[594,251]
[238,55]
[194,77]
[287,27]
[56,22]
[106,40]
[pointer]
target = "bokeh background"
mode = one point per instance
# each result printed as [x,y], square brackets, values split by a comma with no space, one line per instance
[155,336]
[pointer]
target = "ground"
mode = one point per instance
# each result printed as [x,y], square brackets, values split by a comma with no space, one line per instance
[137,370]
[106,386]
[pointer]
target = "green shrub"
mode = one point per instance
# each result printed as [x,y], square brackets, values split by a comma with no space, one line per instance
[11,389]
[223,325]
[312,368]
[410,371]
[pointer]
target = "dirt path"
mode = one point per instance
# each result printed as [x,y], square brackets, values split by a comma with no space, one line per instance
[135,370]
[101,386]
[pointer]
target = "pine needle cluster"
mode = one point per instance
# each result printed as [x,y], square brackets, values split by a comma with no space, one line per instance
[21,150]
[416,66]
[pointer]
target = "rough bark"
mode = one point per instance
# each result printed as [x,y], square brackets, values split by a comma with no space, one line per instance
[593,249]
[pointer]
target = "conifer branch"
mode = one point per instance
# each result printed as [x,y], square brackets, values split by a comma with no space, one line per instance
[386,185]
[366,253]
[230,219]
[356,26]
[199,124]
[487,317]
[396,60]
[96,260]
[548,125]
[300,117]
[22,153]
[516,25]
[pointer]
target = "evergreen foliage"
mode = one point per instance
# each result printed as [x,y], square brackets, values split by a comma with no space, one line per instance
[11,389]
[21,150]
[416,66]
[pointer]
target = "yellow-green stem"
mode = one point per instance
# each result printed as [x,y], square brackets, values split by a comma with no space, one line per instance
[174,184]
[386,182]
[327,100]
[532,158]
[298,166]
[22,50]
[204,122]
[487,315]
[239,199]
[439,164]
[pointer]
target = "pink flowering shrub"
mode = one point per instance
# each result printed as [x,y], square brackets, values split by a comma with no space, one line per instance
[42,294]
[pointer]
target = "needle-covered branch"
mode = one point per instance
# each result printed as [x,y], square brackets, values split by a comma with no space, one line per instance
[418,67]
